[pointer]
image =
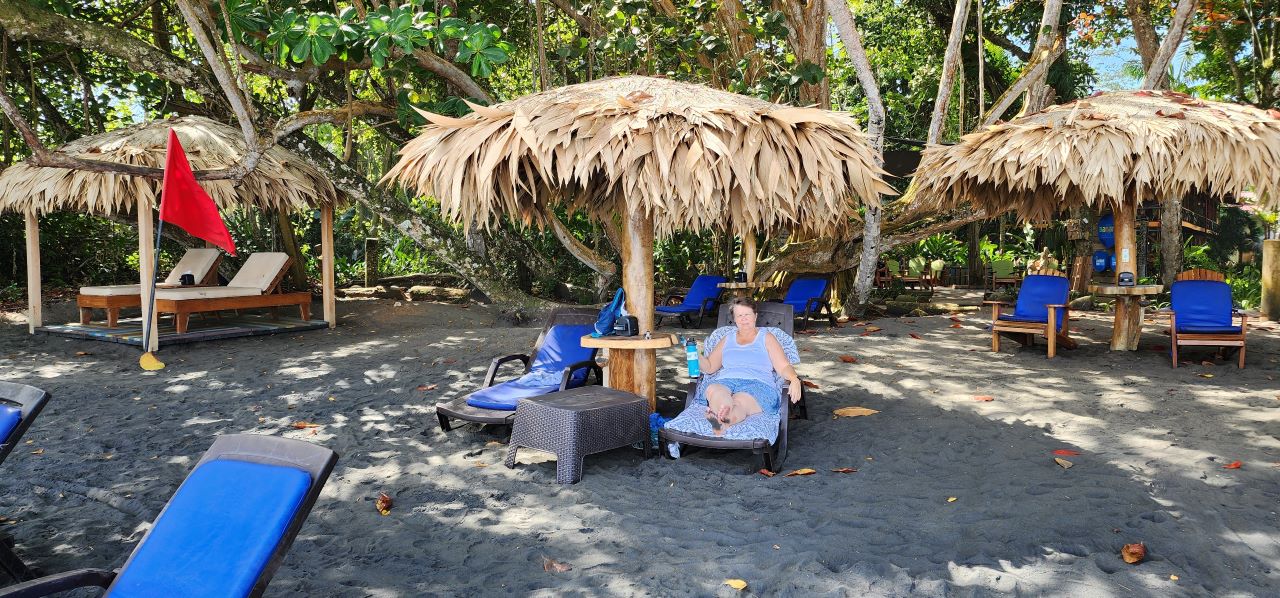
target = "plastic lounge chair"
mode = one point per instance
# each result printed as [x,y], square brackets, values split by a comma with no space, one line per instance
[256,284]
[1003,272]
[917,273]
[777,315]
[19,406]
[808,297]
[558,356]
[201,263]
[1201,313]
[703,296]
[224,532]
[1041,309]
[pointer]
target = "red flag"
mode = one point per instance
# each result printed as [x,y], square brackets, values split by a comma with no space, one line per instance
[184,203]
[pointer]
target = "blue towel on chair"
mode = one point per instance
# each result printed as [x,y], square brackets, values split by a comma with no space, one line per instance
[505,396]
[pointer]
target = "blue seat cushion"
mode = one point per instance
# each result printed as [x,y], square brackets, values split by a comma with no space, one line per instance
[562,347]
[1202,306]
[804,289]
[218,532]
[1038,291]
[677,310]
[504,397]
[10,417]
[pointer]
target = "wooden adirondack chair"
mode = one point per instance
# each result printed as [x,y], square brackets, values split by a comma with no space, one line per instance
[1041,309]
[1201,313]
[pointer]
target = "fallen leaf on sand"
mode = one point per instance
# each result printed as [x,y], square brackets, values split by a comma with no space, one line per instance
[952,499]
[956,326]
[766,473]
[82,353]
[383,504]
[955,319]
[845,470]
[1205,375]
[1233,465]
[736,584]
[1173,578]
[1133,553]
[804,471]
[808,384]
[553,566]
[38,452]
[305,425]
[874,329]
[984,398]
[1066,452]
[848,359]
[914,335]
[854,412]
[1207,363]
[481,464]
[427,386]
[493,443]
[1063,462]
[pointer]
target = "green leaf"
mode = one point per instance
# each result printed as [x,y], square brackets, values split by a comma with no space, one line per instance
[321,50]
[494,54]
[302,50]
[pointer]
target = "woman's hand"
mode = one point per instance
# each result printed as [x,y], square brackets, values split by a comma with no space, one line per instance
[795,390]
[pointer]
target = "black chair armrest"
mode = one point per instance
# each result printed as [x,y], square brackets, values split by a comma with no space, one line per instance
[60,582]
[497,361]
[591,366]
[709,302]
[812,305]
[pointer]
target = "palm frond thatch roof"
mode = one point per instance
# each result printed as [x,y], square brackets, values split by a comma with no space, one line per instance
[282,180]
[689,156]
[1106,150]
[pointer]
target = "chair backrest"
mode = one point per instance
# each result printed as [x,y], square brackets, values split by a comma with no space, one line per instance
[1201,274]
[804,289]
[935,268]
[768,313]
[196,261]
[1201,303]
[261,271]
[703,288]
[1003,268]
[560,342]
[229,525]
[915,266]
[1039,290]
[19,406]
[894,266]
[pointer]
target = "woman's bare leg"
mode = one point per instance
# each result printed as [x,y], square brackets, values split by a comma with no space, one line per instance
[743,406]
[720,403]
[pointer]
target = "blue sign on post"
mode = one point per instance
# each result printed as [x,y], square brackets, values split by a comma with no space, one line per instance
[1107,231]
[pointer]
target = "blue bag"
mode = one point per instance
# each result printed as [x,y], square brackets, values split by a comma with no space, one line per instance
[610,313]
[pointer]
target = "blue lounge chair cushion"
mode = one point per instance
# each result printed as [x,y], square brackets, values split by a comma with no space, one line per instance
[804,289]
[218,532]
[10,417]
[561,348]
[703,288]
[1202,306]
[504,396]
[1039,290]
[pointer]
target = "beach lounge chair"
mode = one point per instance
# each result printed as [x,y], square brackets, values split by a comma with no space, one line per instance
[1041,309]
[19,406]
[1201,313]
[808,297]
[702,298]
[201,263]
[1003,272]
[224,532]
[559,361]
[917,273]
[759,433]
[256,284]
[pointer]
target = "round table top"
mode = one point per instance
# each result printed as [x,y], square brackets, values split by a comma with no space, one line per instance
[660,340]
[1112,289]
[744,285]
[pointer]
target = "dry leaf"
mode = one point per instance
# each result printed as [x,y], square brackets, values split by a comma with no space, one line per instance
[956,326]
[848,359]
[766,473]
[38,451]
[383,504]
[952,499]
[481,464]
[736,584]
[804,471]
[984,398]
[305,425]
[82,353]
[1133,553]
[955,319]
[914,335]
[854,412]
[1205,375]
[1233,465]
[1063,462]
[1175,577]
[1207,363]
[553,566]
[808,384]
[874,329]
[1066,452]
[427,386]
[845,470]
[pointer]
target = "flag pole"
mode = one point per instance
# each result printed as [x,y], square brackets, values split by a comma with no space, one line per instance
[148,361]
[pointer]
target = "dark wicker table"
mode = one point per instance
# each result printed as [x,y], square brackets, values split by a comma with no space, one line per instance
[579,422]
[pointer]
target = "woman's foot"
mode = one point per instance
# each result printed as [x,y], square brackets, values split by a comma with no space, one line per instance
[717,427]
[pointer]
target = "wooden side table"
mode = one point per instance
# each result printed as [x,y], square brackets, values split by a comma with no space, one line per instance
[742,289]
[621,371]
[1126,332]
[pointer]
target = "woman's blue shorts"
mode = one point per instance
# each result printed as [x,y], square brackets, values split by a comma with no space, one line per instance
[767,395]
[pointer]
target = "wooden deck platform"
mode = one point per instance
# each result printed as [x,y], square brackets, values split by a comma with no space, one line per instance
[129,331]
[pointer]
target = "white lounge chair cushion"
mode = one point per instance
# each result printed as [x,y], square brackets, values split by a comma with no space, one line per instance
[259,271]
[112,290]
[196,261]
[206,292]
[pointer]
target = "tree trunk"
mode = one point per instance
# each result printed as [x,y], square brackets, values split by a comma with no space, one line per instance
[1039,93]
[1157,76]
[950,61]
[1144,31]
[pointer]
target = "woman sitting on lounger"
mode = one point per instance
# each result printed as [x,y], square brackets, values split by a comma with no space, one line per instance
[749,359]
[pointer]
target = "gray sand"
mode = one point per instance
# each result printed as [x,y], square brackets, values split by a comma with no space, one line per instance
[1153,441]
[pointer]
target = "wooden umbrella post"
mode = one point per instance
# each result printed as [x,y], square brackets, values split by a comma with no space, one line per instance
[35,304]
[637,279]
[1126,332]
[327,279]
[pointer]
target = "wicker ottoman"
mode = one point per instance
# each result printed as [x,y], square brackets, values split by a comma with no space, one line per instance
[578,422]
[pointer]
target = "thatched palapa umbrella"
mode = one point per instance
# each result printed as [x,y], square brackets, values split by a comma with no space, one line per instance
[1110,150]
[657,154]
[281,181]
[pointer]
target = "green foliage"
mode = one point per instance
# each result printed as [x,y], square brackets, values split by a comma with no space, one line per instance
[1246,287]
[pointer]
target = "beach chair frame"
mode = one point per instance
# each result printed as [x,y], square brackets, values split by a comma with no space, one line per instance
[30,401]
[1203,339]
[686,316]
[1057,333]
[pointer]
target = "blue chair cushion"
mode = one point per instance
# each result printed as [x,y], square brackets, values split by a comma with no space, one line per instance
[1208,329]
[1039,290]
[1201,305]
[10,417]
[561,347]
[504,397]
[804,289]
[218,532]
[677,310]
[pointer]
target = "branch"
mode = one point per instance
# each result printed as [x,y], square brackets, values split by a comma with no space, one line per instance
[1158,73]
[1003,41]
[950,61]
[1036,68]
[433,62]
[587,23]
